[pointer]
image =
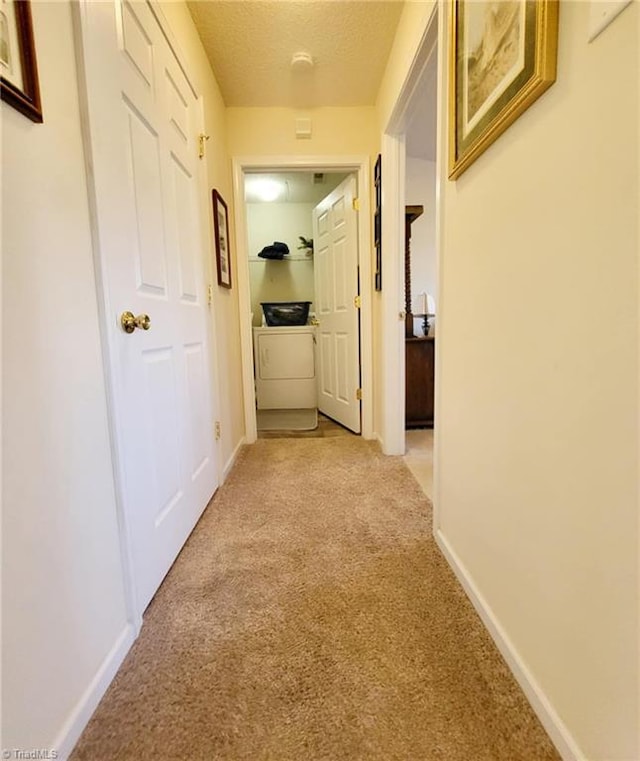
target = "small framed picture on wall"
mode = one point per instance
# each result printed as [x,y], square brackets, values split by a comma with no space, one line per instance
[377,224]
[221,238]
[18,68]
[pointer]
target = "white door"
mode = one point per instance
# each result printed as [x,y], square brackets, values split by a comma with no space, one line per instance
[335,236]
[143,128]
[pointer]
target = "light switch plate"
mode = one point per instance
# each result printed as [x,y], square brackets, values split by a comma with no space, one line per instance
[603,13]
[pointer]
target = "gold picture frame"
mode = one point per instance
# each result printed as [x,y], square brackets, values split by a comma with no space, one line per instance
[502,57]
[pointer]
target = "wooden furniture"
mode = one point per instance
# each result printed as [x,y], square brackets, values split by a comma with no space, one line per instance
[419,350]
[411,213]
[419,381]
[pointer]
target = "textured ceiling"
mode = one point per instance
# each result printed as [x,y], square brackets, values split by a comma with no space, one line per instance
[250,44]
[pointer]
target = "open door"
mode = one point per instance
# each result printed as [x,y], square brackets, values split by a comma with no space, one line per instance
[335,234]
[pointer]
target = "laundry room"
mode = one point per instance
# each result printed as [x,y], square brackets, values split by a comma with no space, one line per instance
[280,222]
[279,209]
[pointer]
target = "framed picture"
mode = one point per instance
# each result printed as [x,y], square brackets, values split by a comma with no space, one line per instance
[221,238]
[502,57]
[18,69]
[377,223]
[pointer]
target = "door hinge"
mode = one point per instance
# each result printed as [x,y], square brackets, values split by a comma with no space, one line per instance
[216,427]
[357,302]
[209,294]
[359,394]
[356,204]
[202,138]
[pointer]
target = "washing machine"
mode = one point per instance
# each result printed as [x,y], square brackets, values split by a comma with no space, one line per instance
[285,367]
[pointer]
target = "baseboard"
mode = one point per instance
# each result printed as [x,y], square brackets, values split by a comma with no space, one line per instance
[232,459]
[565,744]
[80,715]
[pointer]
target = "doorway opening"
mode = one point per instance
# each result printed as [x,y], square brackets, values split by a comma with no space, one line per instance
[303,249]
[284,283]
[412,177]
[421,280]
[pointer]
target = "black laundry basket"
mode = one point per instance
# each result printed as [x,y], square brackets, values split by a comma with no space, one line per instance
[285,313]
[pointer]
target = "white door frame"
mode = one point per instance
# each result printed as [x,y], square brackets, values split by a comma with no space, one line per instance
[393,225]
[360,165]
[108,349]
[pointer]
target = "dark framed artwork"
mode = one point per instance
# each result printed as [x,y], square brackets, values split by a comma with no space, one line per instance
[221,239]
[502,57]
[377,223]
[19,71]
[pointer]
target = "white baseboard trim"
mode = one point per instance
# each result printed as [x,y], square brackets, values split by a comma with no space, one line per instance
[565,744]
[369,435]
[80,715]
[232,459]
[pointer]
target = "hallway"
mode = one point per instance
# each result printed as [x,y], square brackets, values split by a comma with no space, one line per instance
[311,616]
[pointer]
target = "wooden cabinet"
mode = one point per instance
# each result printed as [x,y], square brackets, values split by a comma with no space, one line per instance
[420,374]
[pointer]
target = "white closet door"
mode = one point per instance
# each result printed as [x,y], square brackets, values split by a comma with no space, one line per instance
[143,135]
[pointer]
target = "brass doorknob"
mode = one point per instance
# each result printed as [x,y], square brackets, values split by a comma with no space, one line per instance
[130,322]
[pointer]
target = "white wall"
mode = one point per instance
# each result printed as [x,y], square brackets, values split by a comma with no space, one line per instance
[63,606]
[420,189]
[271,131]
[279,280]
[537,382]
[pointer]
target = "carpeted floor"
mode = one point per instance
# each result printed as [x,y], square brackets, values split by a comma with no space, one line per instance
[311,617]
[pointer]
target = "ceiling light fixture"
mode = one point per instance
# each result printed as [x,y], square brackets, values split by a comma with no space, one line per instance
[266,189]
[301,61]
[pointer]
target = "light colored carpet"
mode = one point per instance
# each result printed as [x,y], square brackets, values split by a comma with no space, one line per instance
[311,617]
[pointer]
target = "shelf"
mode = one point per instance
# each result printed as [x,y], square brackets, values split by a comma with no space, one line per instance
[295,258]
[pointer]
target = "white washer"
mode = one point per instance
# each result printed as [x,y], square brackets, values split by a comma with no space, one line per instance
[285,367]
